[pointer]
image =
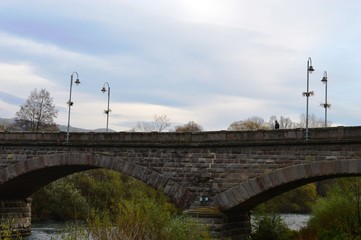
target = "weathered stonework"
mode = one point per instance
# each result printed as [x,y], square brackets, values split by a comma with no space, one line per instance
[235,170]
[17,215]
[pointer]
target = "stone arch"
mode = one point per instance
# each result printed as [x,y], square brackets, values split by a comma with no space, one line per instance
[21,179]
[252,192]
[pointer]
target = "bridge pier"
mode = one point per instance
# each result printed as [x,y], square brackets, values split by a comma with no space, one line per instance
[230,225]
[15,214]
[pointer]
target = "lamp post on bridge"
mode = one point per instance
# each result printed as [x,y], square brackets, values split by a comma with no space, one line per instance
[308,93]
[107,111]
[70,103]
[325,104]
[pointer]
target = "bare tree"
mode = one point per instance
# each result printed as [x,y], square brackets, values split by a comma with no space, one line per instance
[37,113]
[313,121]
[284,122]
[159,124]
[189,127]
[255,123]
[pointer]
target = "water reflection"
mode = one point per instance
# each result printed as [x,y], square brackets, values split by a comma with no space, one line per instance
[46,230]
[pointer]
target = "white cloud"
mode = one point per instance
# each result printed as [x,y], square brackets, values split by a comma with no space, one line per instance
[19,78]
[213,62]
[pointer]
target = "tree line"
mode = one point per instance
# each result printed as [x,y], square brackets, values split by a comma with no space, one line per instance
[39,111]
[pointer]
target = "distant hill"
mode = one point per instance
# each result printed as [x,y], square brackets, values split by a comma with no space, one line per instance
[6,121]
[74,129]
[63,128]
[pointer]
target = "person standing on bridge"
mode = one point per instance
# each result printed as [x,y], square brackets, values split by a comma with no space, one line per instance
[277,125]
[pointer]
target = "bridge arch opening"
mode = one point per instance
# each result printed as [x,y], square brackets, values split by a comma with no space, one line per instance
[252,192]
[25,177]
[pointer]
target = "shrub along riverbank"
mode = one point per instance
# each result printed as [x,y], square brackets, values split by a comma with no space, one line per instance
[334,216]
[114,206]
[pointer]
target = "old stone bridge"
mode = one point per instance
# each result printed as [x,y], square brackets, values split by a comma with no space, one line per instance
[216,176]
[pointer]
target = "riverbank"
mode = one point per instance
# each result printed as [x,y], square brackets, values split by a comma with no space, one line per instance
[45,230]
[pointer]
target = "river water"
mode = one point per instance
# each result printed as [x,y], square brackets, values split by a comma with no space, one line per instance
[46,230]
[54,230]
[295,221]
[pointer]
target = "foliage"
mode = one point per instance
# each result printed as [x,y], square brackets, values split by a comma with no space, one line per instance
[338,215]
[7,232]
[271,227]
[59,200]
[101,188]
[115,207]
[189,127]
[299,200]
[184,228]
[37,113]
[252,123]
[143,219]
[159,124]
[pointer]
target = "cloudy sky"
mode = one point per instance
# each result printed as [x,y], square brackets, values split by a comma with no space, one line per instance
[209,61]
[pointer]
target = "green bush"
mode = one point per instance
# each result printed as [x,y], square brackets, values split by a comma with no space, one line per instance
[144,219]
[338,215]
[7,232]
[298,200]
[60,200]
[114,206]
[271,227]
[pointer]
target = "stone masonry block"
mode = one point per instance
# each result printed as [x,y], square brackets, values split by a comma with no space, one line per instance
[130,170]
[288,172]
[146,175]
[222,201]
[256,188]
[327,168]
[231,198]
[236,192]
[168,187]
[152,179]
[308,169]
[160,182]
[138,171]
[244,194]
[358,166]
[248,189]
[11,172]
[299,172]
[125,167]
[277,178]
[352,166]
[344,166]
[316,168]
[266,181]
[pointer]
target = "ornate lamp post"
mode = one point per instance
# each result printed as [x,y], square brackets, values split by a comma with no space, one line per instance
[107,111]
[70,103]
[308,93]
[325,105]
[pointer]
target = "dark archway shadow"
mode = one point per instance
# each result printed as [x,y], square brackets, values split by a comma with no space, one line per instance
[248,194]
[23,178]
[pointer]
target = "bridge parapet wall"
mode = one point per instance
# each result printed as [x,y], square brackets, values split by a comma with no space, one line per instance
[190,139]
